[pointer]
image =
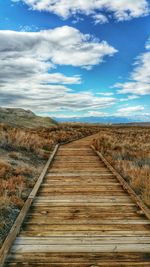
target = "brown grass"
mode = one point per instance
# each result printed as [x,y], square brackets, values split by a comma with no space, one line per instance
[128,150]
[42,138]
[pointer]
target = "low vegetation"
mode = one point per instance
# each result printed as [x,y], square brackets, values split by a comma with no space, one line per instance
[128,150]
[23,153]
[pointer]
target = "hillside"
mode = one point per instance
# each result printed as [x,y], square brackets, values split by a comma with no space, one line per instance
[18,117]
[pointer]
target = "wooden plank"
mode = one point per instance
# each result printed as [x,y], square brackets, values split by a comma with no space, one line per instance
[72,149]
[77,153]
[84,208]
[62,178]
[84,192]
[78,190]
[73,182]
[85,227]
[74,220]
[80,257]
[77,159]
[92,204]
[88,187]
[81,216]
[80,169]
[89,233]
[59,164]
[80,179]
[79,174]
[80,240]
[85,198]
[71,264]
[82,248]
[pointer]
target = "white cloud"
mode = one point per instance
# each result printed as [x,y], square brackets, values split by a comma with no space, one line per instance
[58,78]
[27,75]
[100,19]
[51,98]
[84,115]
[139,83]
[121,9]
[125,111]
[106,94]
[60,46]
[27,62]
[130,97]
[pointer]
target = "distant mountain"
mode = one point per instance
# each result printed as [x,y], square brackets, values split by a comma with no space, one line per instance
[103,120]
[18,117]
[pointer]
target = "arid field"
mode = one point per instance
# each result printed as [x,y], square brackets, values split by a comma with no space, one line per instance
[127,149]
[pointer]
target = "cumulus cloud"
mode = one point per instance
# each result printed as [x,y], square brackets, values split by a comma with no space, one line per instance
[139,83]
[46,49]
[121,9]
[28,61]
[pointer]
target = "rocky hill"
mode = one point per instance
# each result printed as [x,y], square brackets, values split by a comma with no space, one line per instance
[18,117]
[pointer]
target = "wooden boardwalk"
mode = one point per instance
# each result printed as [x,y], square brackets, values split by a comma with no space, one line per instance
[81,217]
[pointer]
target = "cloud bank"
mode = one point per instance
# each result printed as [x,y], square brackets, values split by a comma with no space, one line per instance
[139,82]
[27,69]
[121,9]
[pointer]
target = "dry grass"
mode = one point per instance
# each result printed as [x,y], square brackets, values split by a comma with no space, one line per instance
[128,150]
[42,138]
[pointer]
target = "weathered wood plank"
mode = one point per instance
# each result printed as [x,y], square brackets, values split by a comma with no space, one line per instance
[75,233]
[82,248]
[108,264]
[83,208]
[85,227]
[80,240]
[115,187]
[72,182]
[74,220]
[81,217]
[79,174]
[80,257]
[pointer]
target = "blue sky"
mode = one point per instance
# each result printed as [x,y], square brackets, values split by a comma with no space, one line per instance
[77,58]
